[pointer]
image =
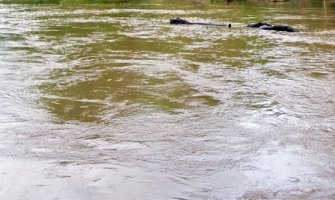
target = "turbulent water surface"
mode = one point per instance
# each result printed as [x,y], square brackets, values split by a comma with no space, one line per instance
[109,101]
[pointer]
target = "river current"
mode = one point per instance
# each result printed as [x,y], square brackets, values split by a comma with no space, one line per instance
[107,100]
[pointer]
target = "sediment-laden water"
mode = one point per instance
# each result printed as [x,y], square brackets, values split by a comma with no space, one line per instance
[108,100]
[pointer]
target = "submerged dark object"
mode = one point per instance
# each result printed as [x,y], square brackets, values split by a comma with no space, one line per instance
[279,28]
[179,21]
[266,26]
[259,24]
[184,21]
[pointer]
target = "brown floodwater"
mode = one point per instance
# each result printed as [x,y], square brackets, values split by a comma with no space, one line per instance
[107,100]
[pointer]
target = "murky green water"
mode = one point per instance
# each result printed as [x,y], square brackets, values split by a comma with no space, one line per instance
[107,100]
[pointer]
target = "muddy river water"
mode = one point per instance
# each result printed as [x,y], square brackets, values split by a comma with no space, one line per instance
[107,100]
